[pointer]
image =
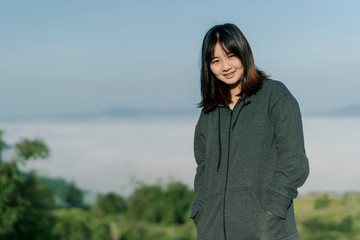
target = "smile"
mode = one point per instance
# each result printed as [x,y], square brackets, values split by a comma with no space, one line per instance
[227,75]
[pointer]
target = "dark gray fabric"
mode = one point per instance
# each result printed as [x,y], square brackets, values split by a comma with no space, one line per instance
[259,167]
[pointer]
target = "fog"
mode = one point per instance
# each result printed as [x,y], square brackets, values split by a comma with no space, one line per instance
[107,155]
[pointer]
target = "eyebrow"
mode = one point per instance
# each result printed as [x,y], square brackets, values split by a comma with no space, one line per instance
[227,53]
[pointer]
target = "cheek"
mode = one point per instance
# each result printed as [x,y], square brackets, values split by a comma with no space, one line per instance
[238,64]
[213,69]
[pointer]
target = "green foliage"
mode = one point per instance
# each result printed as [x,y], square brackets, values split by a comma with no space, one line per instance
[147,203]
[322,201]
[31,149]
[27,209]
[143,230]
[154,203]
[25,204]
[73,196]
[323,229]
[336,222]
[110,203]
[9,181]
[79,224]
[317,224]
[1,145]
[179,199]
[58,187]
[340,220]
[33,205]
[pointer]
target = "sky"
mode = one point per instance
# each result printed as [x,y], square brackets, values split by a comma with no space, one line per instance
[59,57]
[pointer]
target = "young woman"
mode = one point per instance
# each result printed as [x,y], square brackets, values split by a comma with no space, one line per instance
[248,146]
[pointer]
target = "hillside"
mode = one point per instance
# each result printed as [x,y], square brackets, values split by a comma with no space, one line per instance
[347,111]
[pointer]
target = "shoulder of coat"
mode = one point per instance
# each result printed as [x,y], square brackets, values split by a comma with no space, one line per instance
[202,120]
[275,88]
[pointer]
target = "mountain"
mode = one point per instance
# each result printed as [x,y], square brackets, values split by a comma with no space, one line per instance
[132,112]
[115,112]
[347,111]
[58,187]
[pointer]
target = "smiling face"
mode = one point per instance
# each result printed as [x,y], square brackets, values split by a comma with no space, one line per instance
[226,67]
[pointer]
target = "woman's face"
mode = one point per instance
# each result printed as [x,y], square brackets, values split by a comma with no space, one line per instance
[226,67]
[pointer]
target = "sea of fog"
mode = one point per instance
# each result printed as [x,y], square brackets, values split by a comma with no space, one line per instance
[110,155]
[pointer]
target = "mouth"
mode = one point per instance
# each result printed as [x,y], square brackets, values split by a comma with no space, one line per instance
[229,74]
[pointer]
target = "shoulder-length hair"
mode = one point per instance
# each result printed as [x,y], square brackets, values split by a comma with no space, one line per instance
[214,91]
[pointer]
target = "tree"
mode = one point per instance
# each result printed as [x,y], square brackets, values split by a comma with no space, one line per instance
[1,145]
[322,201]
[147,203]
[25,204]
[155,203]
[31,149]
[110,203]
[73,196]
[80,224]
[179,199]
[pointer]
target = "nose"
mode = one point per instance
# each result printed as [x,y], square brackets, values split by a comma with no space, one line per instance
[226,66]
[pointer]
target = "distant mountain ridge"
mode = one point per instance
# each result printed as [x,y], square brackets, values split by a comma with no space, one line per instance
[347,111]
[134,112]
[110,113]
[127,112]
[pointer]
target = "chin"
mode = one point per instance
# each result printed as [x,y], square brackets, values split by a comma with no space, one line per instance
[233,84]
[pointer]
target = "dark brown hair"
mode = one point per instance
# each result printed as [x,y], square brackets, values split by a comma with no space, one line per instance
[214,91]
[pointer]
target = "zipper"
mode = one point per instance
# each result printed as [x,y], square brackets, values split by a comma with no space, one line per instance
[227,173]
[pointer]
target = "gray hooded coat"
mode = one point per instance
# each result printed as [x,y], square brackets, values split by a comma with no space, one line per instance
[250,160]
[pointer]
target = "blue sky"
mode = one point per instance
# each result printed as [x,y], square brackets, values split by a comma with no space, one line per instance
[87,56]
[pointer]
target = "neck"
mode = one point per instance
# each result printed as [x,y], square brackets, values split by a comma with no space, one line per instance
[234,92]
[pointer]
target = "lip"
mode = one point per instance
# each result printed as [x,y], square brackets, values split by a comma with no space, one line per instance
[230,76]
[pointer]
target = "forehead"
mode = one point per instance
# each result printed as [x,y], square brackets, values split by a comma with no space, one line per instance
[219,49]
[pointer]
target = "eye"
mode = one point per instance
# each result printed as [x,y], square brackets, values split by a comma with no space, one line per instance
[231,55]
[215,61]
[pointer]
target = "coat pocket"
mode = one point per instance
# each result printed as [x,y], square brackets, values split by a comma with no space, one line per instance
[196,215]
[208,219]
[247,219]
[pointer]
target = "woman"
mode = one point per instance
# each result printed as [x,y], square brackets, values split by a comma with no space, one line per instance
[248,146]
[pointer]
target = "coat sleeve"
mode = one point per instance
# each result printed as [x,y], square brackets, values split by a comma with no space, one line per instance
[199,181]
[292,167]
